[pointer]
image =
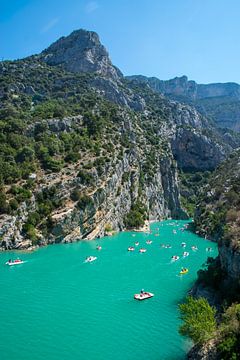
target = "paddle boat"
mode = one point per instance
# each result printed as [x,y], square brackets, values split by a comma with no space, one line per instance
[137,243]
[183,271]
[194,248]
[175,258]
[185,254]
[143,295]
[90,259]
[11,262]
[148,241]
[131,248]
[99,247]
[183,244]
[142,250]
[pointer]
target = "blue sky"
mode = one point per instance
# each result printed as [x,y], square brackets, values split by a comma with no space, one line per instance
[163,38]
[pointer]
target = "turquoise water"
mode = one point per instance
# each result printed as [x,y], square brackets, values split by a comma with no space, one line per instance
[56,307]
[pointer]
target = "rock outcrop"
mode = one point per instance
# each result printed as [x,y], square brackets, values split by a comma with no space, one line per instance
[79,52]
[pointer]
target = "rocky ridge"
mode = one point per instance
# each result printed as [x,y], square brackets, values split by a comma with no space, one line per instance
[98,146]
[218,101]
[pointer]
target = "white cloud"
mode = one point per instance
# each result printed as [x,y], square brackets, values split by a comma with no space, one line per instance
[91,7]
[50,25]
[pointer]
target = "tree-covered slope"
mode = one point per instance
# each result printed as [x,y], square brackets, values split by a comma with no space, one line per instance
[82,149]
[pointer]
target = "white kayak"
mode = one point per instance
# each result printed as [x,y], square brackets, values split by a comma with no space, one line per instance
[14,262]
[143,295]
[91,259]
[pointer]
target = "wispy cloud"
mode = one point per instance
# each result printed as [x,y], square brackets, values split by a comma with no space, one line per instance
[91,6]
[50,25]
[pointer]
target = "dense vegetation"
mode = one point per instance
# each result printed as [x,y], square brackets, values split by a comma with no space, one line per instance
[199,324]
[218,216]
[218,208]
[198,320]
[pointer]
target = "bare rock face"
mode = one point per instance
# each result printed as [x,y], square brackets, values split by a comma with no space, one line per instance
[81,51]
[195,151]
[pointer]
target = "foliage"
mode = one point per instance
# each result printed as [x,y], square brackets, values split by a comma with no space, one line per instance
[136,216]
[229,334]
[85,201]
[212,275]
[198,320]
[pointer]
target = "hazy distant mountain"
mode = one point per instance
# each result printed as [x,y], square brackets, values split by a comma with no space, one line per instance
[220,101]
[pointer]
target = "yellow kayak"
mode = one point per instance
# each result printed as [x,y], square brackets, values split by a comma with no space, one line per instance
[183,272]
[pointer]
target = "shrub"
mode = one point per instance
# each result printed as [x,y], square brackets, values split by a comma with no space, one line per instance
[75,195]
[198,320]
[84,201]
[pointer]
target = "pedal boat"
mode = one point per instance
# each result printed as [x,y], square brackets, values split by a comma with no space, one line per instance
[143,296]
[14,262]
[142,250]
[90,259]
[131,248]
[148,241]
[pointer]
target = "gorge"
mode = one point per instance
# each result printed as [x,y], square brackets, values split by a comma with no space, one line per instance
[87,152]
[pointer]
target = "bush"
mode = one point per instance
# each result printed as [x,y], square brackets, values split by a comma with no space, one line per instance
[229,334]
[136,216]
[198,320]
[75,195]
[85,177]
[84,201]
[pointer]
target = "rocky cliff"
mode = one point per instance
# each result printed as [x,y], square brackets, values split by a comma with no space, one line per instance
[219,101]
[79,52]
[85,152]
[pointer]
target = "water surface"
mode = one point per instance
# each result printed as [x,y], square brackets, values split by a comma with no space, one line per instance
[56,307]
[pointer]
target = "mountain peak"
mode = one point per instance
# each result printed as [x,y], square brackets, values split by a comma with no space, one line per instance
[81,51]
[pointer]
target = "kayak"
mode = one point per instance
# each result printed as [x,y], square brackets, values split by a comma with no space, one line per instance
[183,272]
[143,296]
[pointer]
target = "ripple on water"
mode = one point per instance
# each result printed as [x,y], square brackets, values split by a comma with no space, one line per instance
[55,306]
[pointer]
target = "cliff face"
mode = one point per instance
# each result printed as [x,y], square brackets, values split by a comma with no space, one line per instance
[114,189]
[85,152]
[219,101]
[218,214]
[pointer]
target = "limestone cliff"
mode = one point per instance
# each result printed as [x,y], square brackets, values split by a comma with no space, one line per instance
[82,148]
[219,101]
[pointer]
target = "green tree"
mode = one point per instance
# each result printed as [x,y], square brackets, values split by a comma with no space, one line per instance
[198,319]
